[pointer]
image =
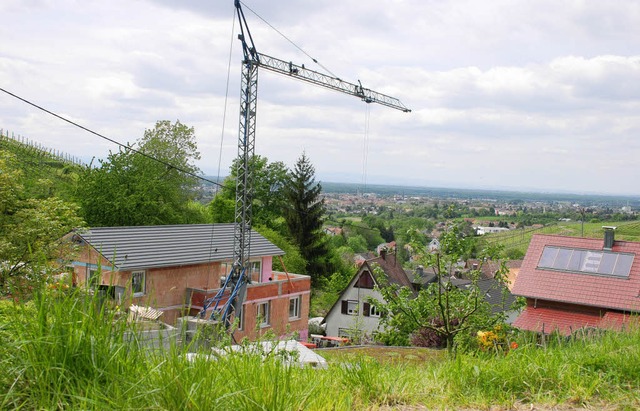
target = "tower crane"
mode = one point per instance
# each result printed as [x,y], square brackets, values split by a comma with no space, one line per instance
[231,295]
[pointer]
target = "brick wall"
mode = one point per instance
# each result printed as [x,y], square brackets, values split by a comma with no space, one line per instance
[166,287]
[278,294]
[174,289]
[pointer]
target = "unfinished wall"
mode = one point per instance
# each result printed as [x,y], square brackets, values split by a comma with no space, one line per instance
[90,259]
[166,287]
[278,295]
[170,290]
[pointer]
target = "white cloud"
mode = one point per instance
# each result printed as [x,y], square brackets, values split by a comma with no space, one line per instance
[535,94]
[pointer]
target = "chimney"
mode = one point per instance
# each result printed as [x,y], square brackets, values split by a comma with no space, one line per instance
[420,271]
[383,253]
[609,237]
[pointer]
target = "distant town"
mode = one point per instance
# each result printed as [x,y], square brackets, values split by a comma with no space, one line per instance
[356,199]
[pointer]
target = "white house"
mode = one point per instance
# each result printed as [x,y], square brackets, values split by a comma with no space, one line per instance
[352,311]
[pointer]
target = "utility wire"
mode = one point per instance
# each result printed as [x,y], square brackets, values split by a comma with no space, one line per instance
[126,146]
[365,148]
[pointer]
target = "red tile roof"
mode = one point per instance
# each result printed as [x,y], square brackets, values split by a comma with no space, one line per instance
[488,268]
[566,322]
[392,268]
[579,288]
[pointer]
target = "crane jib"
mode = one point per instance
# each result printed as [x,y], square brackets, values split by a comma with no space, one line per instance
[302,73]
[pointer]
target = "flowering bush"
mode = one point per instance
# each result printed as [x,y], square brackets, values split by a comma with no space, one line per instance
[495,339]
[488,340]
[58,286]
[58,289]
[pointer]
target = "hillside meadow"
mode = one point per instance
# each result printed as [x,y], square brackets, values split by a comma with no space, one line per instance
[519,239]
[64,350]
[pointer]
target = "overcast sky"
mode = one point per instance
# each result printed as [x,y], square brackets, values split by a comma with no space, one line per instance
[521,95]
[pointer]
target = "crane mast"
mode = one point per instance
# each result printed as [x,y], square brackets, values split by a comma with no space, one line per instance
[231,295]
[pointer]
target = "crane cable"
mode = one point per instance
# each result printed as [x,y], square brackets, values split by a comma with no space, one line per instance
[365,147]
[224,120]
[287,38]
[226,99]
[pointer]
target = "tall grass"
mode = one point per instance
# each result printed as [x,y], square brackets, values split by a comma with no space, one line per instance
[604,367]
[68,352]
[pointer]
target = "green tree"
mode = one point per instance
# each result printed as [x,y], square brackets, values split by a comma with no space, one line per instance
[442,310]
[130,189]
[10,185]
[196,213]
[222,209]
[268,182]
[30,232]
[357,243]
[304,216]
[378,223]
[371,236]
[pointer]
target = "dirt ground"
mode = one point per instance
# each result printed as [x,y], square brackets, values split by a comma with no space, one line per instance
[394,355]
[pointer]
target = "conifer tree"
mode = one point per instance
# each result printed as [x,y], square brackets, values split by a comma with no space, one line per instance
[303,212]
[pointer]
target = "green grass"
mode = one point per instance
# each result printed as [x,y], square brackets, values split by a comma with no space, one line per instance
[43,174]
[63,353]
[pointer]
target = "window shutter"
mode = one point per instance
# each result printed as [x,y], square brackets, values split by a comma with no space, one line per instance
[345,306]
[366,308]
[365,281]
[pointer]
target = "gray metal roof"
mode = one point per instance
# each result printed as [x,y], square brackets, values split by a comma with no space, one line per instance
[129,248]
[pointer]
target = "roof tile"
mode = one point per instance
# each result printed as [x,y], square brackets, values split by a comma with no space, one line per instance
[170,245]
[567,322]
[579,288]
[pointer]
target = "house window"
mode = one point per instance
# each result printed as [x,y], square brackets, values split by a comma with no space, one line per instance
[370,310]
[263,314]
[93,278]
[138,283]
[240,317]
[350,307]
[252,270]
[365,280]
[294,308]
[255,267]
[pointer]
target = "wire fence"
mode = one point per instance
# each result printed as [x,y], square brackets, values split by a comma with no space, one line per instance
[35,148]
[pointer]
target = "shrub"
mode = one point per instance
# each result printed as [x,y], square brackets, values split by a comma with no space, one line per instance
[429,337]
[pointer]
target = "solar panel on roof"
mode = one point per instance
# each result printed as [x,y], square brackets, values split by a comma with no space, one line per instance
[586,261]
